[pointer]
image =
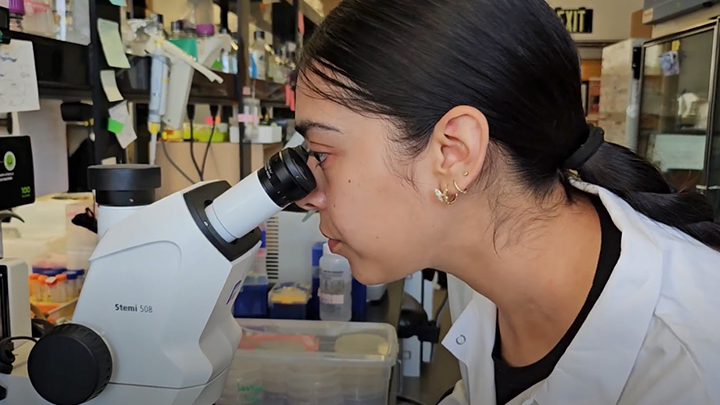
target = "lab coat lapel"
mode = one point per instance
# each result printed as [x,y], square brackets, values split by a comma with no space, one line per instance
[471,340]
[597,364]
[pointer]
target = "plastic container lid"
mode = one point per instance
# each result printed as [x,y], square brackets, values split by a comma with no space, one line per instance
[317,253]
[328,334]
[17,7]
[205,29]
[263,240]
[72,275]
[362,343]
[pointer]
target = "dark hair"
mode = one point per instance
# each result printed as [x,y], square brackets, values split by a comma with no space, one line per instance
[413,60]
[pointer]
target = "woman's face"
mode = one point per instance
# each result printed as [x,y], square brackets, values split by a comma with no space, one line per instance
[386,226]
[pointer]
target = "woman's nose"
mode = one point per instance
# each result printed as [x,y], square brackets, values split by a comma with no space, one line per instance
[315,201]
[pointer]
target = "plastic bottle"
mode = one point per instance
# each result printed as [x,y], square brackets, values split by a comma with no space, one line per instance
[258,57]
[177,29]
[43,294]
[72,288]
[51,283]
[80,280]
[33,281]
[61,288]
[335,289]
[313,311]
[17,13]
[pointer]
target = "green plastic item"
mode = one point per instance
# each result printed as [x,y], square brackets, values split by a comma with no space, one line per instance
[189,45]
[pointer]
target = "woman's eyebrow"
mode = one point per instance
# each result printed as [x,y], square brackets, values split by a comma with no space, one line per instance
[304,126]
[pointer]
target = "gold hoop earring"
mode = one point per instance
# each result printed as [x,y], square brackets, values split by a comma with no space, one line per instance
[445,197]
[460,190]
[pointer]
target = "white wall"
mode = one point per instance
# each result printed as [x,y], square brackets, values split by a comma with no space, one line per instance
[685,22]
[611,21]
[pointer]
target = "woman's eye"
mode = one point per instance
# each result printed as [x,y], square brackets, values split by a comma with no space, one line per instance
[320,157]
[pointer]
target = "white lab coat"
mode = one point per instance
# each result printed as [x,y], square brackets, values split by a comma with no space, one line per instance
[653,337]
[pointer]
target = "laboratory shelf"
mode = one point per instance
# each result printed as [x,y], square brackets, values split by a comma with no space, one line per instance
[61,67]
[269,92]
[134,84]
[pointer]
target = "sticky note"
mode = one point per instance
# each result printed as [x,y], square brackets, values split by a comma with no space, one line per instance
[109,84]
[126,134]
[115,127]
[112,44]
[119,3]
[18,80]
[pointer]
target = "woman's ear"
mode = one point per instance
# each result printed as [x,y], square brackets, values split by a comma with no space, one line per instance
[459,145]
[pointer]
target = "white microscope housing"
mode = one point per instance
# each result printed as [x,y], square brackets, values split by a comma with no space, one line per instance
[153,324]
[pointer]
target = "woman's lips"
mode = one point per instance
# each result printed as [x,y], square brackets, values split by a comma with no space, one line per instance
[332,244]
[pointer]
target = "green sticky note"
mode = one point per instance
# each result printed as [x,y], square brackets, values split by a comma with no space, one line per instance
[119,3]
[115,127]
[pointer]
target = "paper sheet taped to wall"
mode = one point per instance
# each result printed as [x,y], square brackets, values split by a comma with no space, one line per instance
[48,136]
[18,80]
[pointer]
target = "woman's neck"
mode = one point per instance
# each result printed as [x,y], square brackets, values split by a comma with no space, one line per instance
[539,279]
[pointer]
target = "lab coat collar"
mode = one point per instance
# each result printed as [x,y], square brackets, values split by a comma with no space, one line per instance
[598,362]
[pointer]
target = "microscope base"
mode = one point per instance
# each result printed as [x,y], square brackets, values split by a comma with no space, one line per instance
[20,390]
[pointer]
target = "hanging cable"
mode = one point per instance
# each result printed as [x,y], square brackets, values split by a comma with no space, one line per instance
[213,113]
[191,118]
[172,162]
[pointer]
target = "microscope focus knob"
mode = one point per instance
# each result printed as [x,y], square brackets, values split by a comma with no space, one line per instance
[70,365]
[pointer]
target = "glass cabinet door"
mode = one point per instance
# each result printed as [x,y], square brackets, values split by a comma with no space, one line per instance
[675,106]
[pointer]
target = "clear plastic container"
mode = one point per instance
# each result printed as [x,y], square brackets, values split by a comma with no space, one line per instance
[319,362]
[335,289]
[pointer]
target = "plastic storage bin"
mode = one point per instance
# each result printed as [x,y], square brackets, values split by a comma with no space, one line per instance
[315,362]
[289,301]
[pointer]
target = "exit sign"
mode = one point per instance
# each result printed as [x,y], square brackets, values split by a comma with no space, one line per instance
[577,21]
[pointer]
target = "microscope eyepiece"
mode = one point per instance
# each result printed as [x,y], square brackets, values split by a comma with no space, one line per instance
[286,178]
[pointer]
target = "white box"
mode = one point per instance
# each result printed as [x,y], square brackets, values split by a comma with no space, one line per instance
[267,134]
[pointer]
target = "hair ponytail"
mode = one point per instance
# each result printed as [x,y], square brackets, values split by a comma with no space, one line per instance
[642,186]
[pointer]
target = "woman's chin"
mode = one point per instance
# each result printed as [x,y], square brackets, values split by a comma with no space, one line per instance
[370,277]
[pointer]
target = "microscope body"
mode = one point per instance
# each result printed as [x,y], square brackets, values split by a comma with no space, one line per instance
[153,324]
[159,292]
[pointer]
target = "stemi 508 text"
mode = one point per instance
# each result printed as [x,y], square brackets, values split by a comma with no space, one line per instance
[134,308]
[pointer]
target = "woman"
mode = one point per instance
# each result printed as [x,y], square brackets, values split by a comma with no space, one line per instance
[451,135]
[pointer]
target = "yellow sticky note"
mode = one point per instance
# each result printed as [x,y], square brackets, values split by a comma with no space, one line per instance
[676,45]
[109,84]
[112,44]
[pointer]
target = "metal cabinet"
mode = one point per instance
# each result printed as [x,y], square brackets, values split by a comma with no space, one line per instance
[679,129]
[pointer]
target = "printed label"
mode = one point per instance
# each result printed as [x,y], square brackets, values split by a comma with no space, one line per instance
[332,299]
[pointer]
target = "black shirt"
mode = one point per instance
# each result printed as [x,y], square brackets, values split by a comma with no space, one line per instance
[513,381]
